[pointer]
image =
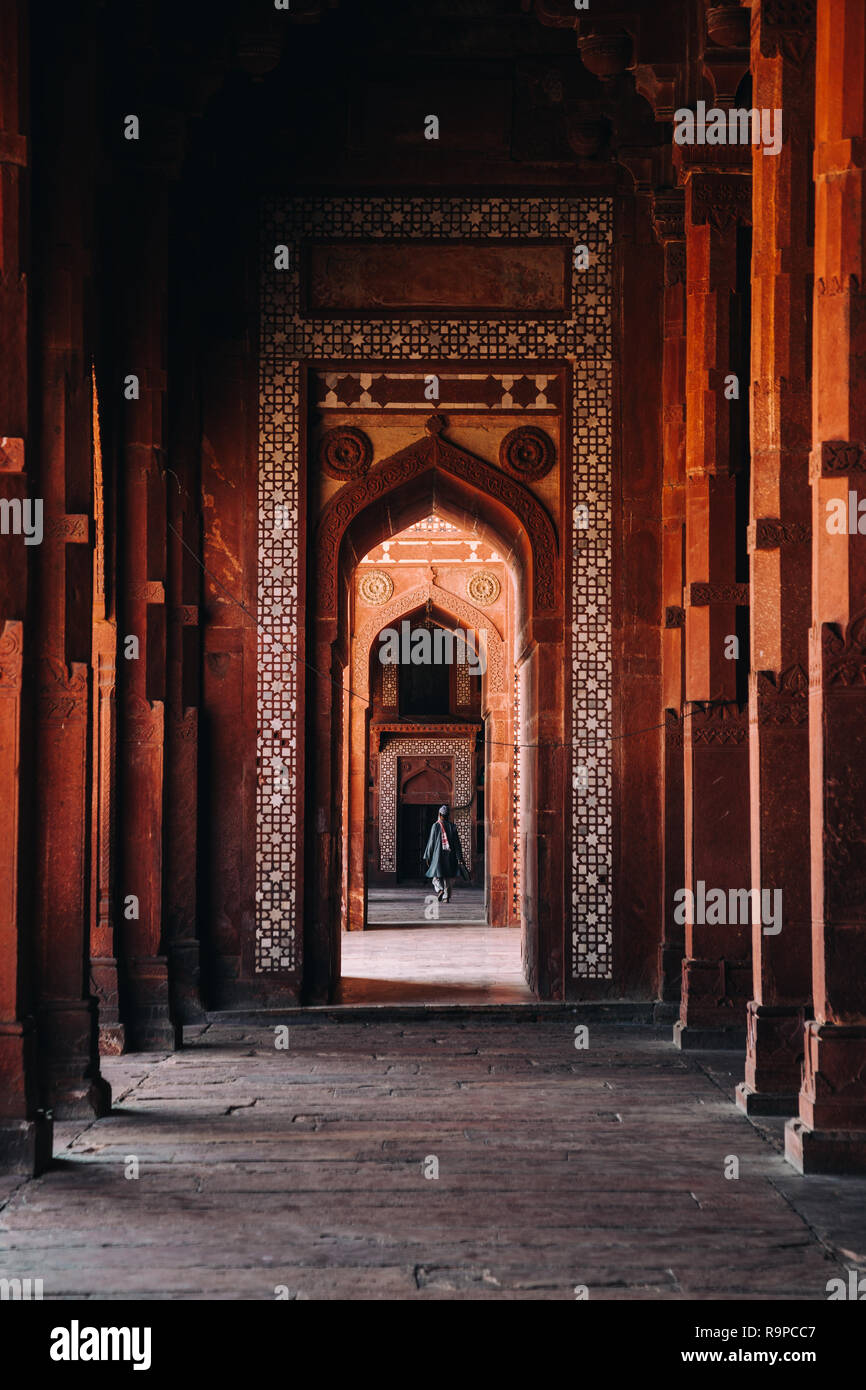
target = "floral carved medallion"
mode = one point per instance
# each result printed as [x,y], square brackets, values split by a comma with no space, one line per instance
[345,453]
[376,587]
[483,587]
[528,452]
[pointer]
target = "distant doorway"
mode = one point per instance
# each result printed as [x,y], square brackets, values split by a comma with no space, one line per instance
[412,832]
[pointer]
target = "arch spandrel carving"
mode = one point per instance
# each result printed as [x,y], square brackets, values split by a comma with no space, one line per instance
[449,603]
[436,455]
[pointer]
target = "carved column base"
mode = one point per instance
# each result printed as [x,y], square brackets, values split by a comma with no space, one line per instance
[670,972]
[824,1151]
[497,906]
[184,974]
[26,1145]
[103,983]
[146,1011]
[69,1060]
[25,1137]
[774,1055]
[713,1008]
[830,1134]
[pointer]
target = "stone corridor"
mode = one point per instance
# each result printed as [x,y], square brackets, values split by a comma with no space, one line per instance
[302,1169]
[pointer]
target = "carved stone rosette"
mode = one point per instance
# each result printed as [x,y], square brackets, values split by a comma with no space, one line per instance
[483,588]
[376,588]
[345,453]
[528,452]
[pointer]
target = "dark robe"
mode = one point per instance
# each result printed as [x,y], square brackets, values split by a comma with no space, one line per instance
[442,863]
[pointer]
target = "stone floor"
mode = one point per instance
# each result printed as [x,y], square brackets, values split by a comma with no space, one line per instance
[304,1169]
[433,964]
[415,904]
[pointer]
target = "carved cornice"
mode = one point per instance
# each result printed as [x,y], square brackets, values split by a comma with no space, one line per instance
[786,29]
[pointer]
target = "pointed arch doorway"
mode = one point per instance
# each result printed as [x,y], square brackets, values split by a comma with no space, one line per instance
[435,476]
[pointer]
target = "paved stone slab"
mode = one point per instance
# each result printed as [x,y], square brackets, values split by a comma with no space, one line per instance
[304,1168]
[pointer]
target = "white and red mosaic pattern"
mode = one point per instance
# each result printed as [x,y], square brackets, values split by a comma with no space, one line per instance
[287,337]
[419,747]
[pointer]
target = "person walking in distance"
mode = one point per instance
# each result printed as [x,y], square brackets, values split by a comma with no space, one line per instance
[443,854]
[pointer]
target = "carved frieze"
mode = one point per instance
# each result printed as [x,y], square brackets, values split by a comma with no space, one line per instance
[723,723]
[68,528]
[62,693]
[768,533]
[784,699]
[11,656]
[700,595]
[843,653]
[721,200]
[840,456]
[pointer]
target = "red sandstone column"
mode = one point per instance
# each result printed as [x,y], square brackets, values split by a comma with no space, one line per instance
[830,1134]
[497,808]
[780,534]
[62,578]
[141,310]
[25,1130]
[183,586]
[716,968]
[668,222]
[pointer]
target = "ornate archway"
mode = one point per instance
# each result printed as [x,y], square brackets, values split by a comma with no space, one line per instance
[455,607]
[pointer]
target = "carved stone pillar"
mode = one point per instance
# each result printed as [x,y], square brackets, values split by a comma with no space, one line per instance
[668,222]
[716,972]
[182,682]
[779,543]
[62,578]
[141,310]
[830,1133]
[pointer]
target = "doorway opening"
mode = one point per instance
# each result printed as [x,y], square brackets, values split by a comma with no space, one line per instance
[438,557]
